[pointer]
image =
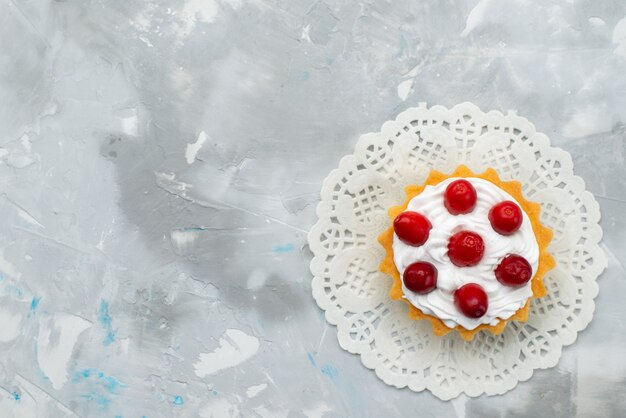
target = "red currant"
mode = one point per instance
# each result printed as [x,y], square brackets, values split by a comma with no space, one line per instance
[465,248]
[460,197]
[420,277]
[412,228]
[505,217]
[471,300]
[514,270]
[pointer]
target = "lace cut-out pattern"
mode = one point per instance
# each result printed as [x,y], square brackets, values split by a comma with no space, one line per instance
[352,213]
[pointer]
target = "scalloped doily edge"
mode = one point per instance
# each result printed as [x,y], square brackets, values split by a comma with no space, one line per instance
[326,307]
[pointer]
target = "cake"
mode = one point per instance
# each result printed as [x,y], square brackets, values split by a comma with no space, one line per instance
[467,252]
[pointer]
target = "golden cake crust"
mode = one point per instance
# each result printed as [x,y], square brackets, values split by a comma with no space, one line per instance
[542,234]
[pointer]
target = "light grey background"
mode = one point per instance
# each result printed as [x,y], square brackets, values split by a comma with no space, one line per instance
[121,263]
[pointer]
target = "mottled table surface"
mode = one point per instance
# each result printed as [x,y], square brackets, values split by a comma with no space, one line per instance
[160,163]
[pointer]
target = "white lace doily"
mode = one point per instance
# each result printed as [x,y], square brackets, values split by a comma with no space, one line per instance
[353,212]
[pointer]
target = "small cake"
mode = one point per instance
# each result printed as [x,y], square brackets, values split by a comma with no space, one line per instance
[467,252]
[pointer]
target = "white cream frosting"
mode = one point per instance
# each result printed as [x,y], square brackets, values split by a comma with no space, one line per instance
[504,301]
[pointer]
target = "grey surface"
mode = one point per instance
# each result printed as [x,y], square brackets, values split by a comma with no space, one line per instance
[103,219]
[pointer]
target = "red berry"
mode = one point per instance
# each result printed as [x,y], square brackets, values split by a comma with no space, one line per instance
[412,228]
[505,217]
[465,248]
[420,277]
[514,270]
[460,197]
[471,300]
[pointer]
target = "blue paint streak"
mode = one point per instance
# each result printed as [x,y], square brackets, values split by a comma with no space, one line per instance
[10,288]
[311,359]
[34,303]
[330,371]
[282,249]
[102,401]
[305,76]
[16,396]
[178,400]
[41,374]
[106,322]
[99,386]
[110,383]
[194,228]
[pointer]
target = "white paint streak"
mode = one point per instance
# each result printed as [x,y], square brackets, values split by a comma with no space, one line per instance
[191,152]
[26,216]
[25,141]
[254,390]
[130,125]
[219,408]
[415,70]
[55,343]
[146,41]
[201,10]
[235,347]
[197,11]
[20,158]
[476,17]
[596,22]
[619,38]
[168,182]
[9,325]
[316,411]
[264,412]
[8,268]
[183,240]
[587,122]
[459,405]
[257,279]
[319,345]
[404,89]
[306,33]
